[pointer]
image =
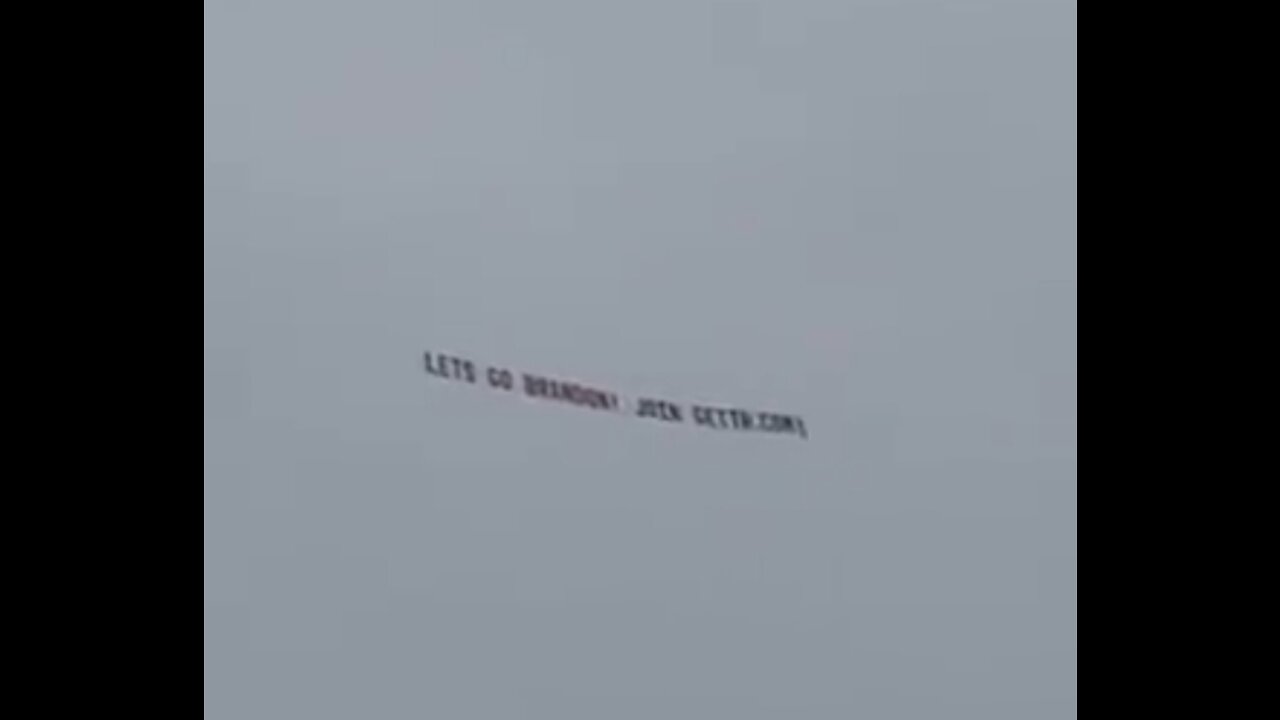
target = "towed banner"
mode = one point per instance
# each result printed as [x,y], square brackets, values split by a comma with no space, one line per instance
[454,368]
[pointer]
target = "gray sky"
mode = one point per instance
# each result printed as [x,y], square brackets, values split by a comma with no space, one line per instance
[862,212]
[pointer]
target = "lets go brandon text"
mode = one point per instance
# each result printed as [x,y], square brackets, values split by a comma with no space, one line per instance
[458,369]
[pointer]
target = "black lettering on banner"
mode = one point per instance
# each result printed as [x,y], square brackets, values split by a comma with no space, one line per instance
[773,422]
[532,385]
[600,400]
[659,410]
[572,393]
[567,392]
[430,368]
[452,368]
[499,378]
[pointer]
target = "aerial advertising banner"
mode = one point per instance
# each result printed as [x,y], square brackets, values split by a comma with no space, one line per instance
[542,388]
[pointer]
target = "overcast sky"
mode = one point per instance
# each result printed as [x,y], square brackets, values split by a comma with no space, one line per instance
[860,212]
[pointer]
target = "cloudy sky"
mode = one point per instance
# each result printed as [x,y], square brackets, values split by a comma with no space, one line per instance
[863,212]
